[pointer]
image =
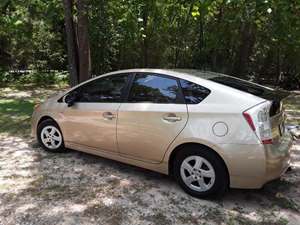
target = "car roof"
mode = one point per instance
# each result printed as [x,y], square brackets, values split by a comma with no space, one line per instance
[180,73]
[195,76]
[188,74]
[208,78]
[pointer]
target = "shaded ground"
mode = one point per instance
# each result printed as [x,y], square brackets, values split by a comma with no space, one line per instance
[37,187]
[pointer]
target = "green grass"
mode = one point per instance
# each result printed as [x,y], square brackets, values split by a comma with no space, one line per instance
[16,107]
[15,116]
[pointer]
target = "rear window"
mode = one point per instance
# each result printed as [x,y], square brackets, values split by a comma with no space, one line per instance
[251,88]
[242,85]
[193,93]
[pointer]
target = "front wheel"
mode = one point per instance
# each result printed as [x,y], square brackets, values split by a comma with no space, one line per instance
[200,172]
[50,136]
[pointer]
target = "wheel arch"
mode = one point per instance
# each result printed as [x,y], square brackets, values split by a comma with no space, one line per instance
[183,146]
[46,117]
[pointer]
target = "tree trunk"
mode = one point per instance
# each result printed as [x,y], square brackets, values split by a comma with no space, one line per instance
[198,55]
[245,50]
[83,42]
[71,42]
[278,66]
[145,15]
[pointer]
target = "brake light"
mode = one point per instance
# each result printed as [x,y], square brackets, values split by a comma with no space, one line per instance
[258,119]
[267,142]
[249,120]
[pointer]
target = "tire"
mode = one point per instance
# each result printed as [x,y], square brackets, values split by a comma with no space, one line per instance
[54,142]
[210,180]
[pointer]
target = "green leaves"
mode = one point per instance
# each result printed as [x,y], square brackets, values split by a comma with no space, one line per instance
[263,37]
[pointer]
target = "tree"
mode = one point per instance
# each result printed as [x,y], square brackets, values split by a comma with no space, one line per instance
[78,42]
[71,42]
[245,38]
[83,42]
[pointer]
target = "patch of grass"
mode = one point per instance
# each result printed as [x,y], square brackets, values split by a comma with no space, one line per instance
[53,192]
[16,107]
[275,192]
[15,116]
[282,221]
[158,218]
[292,105]
[110,214]
[240,219]
[287,203]
[214,214]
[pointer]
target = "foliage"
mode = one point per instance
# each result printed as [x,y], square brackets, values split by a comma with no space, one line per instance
[33,77]
[246,38]
[31,35]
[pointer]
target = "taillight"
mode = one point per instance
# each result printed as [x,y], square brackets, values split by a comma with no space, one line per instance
[258,119]
[249,120]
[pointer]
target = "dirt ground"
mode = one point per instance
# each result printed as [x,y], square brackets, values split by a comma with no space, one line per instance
[37,187]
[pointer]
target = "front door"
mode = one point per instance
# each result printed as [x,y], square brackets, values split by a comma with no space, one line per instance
[152,118]
[91,121]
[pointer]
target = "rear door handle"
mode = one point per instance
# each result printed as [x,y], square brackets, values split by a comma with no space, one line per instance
[171,117]
[108,115]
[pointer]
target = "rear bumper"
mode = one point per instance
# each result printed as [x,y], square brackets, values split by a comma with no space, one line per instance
[278,157]
[252,166]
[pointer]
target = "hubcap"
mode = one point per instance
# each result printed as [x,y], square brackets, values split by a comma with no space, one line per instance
[51,137]
[197,173]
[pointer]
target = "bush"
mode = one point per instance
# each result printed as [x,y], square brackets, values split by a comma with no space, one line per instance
[33,78]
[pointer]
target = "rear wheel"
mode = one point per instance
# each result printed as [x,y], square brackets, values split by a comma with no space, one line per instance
[200,172]
[50,136]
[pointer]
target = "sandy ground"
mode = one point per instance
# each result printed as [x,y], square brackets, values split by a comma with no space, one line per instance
[37,187]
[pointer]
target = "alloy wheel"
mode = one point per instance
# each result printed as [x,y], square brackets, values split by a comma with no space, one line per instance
[197,173]
[51,137]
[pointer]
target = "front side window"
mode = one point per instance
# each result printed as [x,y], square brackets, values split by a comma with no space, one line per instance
[155,89]
[106,89]
[193,93]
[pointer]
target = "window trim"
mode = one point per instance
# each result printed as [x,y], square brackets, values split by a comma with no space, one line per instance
[181,98]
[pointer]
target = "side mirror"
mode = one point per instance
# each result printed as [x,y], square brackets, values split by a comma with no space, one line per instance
[71,98]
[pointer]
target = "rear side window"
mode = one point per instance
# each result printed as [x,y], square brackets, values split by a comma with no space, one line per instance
[193,93]
[155,89]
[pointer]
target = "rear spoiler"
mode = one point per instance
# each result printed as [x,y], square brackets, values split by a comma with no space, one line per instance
[276,99]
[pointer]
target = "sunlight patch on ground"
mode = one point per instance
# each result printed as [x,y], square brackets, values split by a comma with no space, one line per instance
[16,162]
[90,189]
[37,187]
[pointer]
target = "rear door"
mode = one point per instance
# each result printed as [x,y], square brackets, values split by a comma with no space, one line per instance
[152,117]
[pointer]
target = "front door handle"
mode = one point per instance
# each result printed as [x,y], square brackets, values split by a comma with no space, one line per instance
[171,117]
[108,115]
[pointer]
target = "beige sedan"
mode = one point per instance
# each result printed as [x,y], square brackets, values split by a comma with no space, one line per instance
[210,131]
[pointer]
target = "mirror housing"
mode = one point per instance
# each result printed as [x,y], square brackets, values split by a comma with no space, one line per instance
[71,98]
